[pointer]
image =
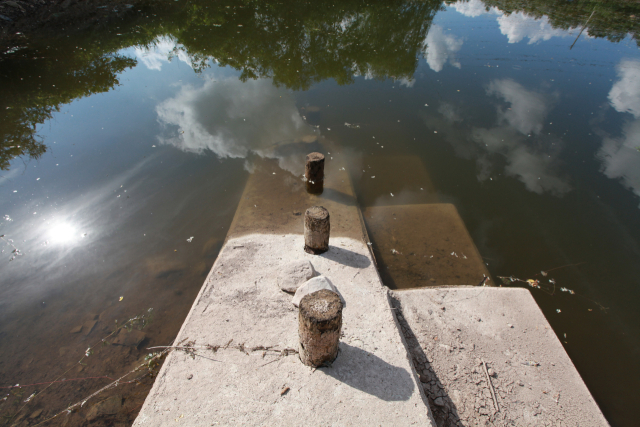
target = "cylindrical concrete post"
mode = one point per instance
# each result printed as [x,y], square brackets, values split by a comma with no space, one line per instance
[314,172]
[319,325]
[316,230]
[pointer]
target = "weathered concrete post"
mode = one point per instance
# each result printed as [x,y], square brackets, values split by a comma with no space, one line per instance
[316,230]
[319,324]
[314,172]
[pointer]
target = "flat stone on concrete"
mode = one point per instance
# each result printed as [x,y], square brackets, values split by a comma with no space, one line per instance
[294,274]
[488,356]
[313,285]
[241,365]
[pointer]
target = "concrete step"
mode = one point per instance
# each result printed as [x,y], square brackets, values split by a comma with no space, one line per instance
[403,176]
[488,356]
[423,245]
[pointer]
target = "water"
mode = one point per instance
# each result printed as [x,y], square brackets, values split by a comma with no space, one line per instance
[140,133]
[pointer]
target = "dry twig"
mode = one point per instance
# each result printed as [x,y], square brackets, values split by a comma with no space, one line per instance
[493,393]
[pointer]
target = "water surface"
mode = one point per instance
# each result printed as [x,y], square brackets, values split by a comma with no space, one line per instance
[134,143]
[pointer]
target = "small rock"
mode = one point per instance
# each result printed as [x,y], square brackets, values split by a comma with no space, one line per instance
[491,372]
[439,401]
[109,406]
[77,329]
[36,414]
[132,339]
[314,285]
[294,274]
[190,376]
[88,326]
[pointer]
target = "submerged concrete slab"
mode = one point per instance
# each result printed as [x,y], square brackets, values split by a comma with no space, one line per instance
[377,177]
[488,356]
[275,199]
[241,367]
[423,245]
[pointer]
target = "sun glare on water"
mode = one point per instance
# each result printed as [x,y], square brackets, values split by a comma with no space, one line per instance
[63,233]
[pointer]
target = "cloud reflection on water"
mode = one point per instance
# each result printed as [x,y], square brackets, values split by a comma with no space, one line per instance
[234,119]
[440,48]
[621,155]
[517,25]
[516,141]
[163,49]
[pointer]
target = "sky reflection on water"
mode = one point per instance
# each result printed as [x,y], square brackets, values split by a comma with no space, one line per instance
[537,145]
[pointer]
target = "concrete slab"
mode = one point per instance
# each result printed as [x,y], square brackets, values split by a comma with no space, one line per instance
[275,199]
[423,245]
[487,356]
[404,176]
[241,368]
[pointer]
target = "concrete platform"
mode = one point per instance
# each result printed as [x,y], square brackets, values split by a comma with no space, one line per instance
[454,333]
[423,245]
[242,368]
[236,362]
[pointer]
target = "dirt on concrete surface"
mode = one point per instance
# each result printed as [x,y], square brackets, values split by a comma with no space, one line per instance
[488,357]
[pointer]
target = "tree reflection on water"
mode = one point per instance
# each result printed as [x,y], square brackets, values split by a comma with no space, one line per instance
[294,44]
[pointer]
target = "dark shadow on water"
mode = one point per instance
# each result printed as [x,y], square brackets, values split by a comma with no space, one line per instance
[445,413]
[367,372]
[346,257]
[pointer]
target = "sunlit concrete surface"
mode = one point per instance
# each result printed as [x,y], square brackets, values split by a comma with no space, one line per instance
[488,356]
[243,327]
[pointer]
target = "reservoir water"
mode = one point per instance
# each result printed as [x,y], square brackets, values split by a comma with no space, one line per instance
[126,145]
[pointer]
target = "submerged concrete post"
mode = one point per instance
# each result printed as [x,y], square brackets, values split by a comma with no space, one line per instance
[319,325]
[314,172]
[316,230]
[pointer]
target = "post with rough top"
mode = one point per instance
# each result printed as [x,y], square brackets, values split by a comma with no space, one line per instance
[316,230]
[314,172]
[319,324]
